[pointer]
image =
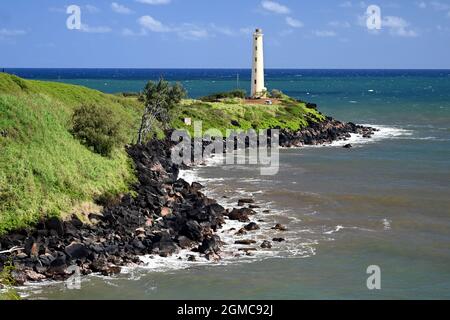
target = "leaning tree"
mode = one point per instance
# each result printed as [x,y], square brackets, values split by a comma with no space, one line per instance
[159,99]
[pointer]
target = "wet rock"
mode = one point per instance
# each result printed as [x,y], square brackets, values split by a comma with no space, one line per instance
[77,250]
[240,214]
[348,146]
[185,242]
[138,244]
[278,239]
[34,276]
[279,227]
[245,242]
[192,230]
[196,186]
[211,256]
[210,245]
[266,244]
[252,226]
[167,248]
[58,265]
[191,258]
[242,202]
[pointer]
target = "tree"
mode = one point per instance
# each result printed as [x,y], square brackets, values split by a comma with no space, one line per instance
[159,99]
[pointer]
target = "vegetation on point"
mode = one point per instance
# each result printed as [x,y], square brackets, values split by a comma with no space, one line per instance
[217,97]
[287,113]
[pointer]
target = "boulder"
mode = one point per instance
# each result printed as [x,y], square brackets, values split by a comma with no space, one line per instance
[210,245]
[239,214]
[185,242]
[34,276]
[266,244]
[245,242]
[252,226]
[242,202]
[192,230]
[279,227]
[77,251]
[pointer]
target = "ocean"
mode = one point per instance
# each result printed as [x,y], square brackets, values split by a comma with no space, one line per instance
[384,203]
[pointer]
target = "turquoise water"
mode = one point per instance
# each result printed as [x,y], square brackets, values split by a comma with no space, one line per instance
[386,202]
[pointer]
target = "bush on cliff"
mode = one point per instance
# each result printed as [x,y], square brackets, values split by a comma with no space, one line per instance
[216,97]
[44,169]
[100,128]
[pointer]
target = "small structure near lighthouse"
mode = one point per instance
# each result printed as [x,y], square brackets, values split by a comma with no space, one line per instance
[258,87]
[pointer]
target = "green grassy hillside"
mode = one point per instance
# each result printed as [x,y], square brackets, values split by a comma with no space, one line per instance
[45,171]
[237,114]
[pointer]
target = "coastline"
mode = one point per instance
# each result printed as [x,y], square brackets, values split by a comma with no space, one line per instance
[127,232]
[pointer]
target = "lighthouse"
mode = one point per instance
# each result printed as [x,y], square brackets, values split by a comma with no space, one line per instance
[258,88]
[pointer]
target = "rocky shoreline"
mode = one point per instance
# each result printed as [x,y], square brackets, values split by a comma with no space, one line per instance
[166,215]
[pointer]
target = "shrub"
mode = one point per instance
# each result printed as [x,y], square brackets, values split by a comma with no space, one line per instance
[225,95]
[99,128]
[276,94]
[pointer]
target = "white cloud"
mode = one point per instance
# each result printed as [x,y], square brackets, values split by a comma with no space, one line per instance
[154,2]
[422,5]
[398,26]
[324,33]
[346,4]
[126,32]
[88,29]
[223,30]
[440,6]
[339,24]
[190,31]
[118,8]
[275,7]
[294,23]
[152,24]
[11,33]
[91,9]
[247,30]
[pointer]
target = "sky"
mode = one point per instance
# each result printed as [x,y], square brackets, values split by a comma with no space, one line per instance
[218,34]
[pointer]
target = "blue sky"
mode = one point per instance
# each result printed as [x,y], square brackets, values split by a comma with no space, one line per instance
[217,34]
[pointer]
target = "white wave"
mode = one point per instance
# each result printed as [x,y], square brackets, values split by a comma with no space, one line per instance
[384,133]
[386,224]
[337,229]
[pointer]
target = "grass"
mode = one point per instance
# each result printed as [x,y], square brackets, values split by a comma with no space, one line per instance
[237,114]
[45,171]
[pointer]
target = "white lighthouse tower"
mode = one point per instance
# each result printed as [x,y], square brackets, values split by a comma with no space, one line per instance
[258,88]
